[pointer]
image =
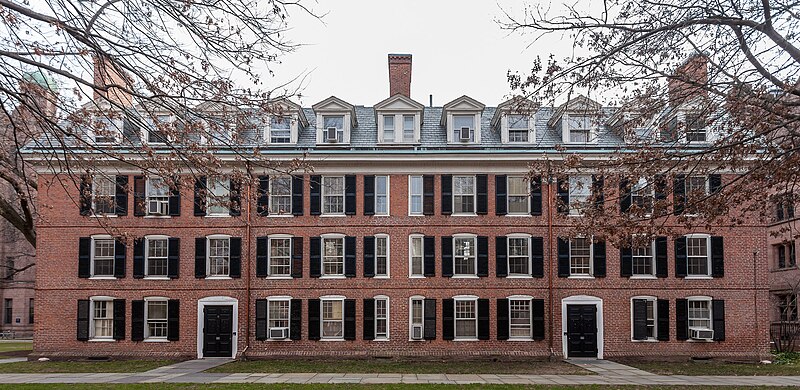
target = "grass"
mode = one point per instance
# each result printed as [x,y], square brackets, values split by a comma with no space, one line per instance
[82,366]
[15,348]
[399,367]
[257,386]
[715,368]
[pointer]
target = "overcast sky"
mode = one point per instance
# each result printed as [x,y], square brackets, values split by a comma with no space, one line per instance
[457,47]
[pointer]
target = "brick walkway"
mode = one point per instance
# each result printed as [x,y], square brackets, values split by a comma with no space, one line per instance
[608,373]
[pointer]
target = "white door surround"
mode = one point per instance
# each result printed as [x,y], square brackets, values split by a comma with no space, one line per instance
[582,300]
[212,301]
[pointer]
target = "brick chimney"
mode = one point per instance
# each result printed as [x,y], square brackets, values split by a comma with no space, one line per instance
[688,80]
[400,74]
[106,75]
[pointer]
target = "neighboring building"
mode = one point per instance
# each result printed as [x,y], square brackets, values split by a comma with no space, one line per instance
[417,234]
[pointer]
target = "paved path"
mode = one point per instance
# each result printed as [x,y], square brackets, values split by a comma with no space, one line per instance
[608,373]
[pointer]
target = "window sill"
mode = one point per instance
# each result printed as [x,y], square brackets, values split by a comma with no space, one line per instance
[465,339]
[381,215]
[156,278]
[381,340]
[280,215]
[155,340]
[417,277]
[416,214]
[528,214]
[333,215]
[103,216]
[218,216]
[334,340]
[519,277]
[279,340]
[699,341]
[524,340]
[642,277]
[102,340]
[789,268]
[333,277]
[575,215]
[279,277]
[464,215]
[645,341]
[698,277]
[580,277]
[465,277]
[157,216]
[219,278]
[102,278]
[381,277]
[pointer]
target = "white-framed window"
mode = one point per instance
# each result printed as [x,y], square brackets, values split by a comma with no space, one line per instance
[155,317]
[156,256]
[465,256]
[103,256]
[219,256]
[381,195]
[518,128]
[519,255]
[580,128]
[381,255]
[381,317]
[650,317]
[466,318]
[698,255]
[388,128]
[580,190]
[580,256]
[107,130]
[696,189]
[416,318]
[280,195]
[415,195]
[699,314]
[463,194]
[518,195]
[104,191]
[278,315]
[333,195]
[158,192]
[408,128]
[460,125]
[218,196]
[280,129]
[643,259]
[333,255]
[332,318]
[643,195]
[280,255]
[155,128]
[102,318]
[695,127]
[520,316]
[333,121]
[416,253]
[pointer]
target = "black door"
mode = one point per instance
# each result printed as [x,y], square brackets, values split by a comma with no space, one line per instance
[581,331]
[218,331]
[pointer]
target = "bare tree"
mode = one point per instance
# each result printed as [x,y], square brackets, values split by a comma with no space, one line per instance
[786,330]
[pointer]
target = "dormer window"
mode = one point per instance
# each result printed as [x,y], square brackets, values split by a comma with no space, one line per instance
[333,128]
[464,128]
[388,128]
[580,128]
[461,119]
[579,120]
[335,120]
[107,130]
[695,128]
[155,128]
[514,119]
[280,130]
[408,128]
[518,128]
[398,119]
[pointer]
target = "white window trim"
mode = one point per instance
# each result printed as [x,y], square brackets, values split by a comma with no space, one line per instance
[269,251]
[652,263]
[708,256]
[388,196]
[422,196]
[116,132]
[476,122]
[592,130]
[91,253]
[92,336]
[474,197]
[591,259]
[388,256]
[472,298]
[506,129]
[530,303]
[284,298]
[93,208]
[710,315]
[323,237]
[208,256]
[323,195]
[294,121]
[411,316]
[398,130]
[270,194]
[147,337]
[147,256]
[653,299]
[508,196]
[411,275]
[508,255]
[573,209]
[146,130]
[346,124]
[681,115]
[210,199]
[339,298]
[388,317]
[474,238]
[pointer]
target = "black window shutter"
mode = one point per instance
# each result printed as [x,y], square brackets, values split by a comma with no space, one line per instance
[349,319]
[137,320]
[297,195]
[447,256]
[262,203]
[315,195]
[537,257]
[350,257]
[175,199]
[681,319]
[714,183]
[536,195]
[597,191]
[138,258]
[599,249]
[200,257]
[297,257]
[447,194]
[173,319]
[640,319]
[313,319]
[200,196]
[121,196]
[83,320]
[483,319]
[562,188]
[369,195]
[139,196]
[427,195]
[625,261]
[779,209]
[315,256]
[501,256]
[235,196]
[350,195]
[369,257]
[429,259]
[661,257]
[119,259]
[236,257]
[679,194]
[295,319]
[500,195]
[429,319]
[119,319]
[84,257]
[85,189]
[502,319]
[369,319]
[483,256]
[624,195]
[563,257]
[481,194]
[718,316]
[448,324]
[662,311]
[681,263]
[660,187]
[717,257]
[538,319]
[262,256]
[261,319]
[173,257]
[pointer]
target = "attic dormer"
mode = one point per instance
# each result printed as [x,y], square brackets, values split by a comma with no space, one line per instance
[335,120]
[399,119]
[688,122]
[515,119]
[286,118]
[462,120]
[578,120]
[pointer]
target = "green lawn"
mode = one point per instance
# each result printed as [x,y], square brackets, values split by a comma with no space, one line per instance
[715,368]
[82,366]
[16,346]
[401,367]
[255,386]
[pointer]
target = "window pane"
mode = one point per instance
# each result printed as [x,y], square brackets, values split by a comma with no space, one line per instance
[416,195]
[280,195]
[464,194]
[218,196]
[699,314]
[103,319]
[580,256]
[219,257]
[518,256]
[381,318]
[416,312]
[381,195]
[103,257]
[697,255]
[157,319]
[333,256]
[103,194]
[518,194]
[334,121]
[157,257]
[520,318]
[278,314]
[332,319]
[464,256]
[280,256]
[580,189]
[381,256]
[643,260]
[460,121]
[333,195]
[466,319]
[517,121]
[416,256]
[408,128]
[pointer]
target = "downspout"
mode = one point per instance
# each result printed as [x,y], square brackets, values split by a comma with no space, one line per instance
[247,264]
[550,297]
[755,304]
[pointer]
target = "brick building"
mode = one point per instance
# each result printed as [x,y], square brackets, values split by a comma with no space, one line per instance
[418,233]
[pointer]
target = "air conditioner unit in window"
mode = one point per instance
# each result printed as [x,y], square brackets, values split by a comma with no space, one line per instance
[416,332]
[158,207]
[278,333]
[330,134]
[701,334]
[464,134]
